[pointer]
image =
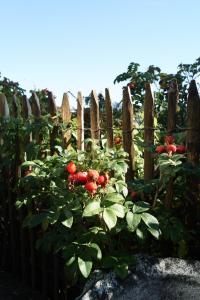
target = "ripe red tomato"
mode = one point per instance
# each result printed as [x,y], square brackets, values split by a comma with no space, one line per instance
[71,167]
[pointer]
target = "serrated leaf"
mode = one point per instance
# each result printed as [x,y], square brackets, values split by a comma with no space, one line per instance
[140,207]
[118,209]
[109,217]
[69,219]
[93,208]
[133,220]
[85,267]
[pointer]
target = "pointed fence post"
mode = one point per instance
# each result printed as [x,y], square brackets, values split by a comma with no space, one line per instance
[173,95]
[53,112]
[35,106]
[4,108]
[127,128]
[109,118]
[24,233]
[193,149]
[148,133]
[80,122]
[66,117]
[36,111]
[26,108]
[94,116]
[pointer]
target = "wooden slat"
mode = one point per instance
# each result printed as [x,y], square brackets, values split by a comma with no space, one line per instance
[80,121]
[192,138]
[14,110]
[94,116]
[35,105]
[26,108]
[127,127]
[66,117]
[52,104]
[193,149]
[172,104]
[4,109]
[109,118]
[171,127]
[148,133]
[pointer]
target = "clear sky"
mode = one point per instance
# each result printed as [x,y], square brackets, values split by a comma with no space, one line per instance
[84,44]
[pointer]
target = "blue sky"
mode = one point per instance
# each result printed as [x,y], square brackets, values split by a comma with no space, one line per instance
[84,44]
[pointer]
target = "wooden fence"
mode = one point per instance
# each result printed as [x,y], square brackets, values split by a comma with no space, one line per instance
[17,250]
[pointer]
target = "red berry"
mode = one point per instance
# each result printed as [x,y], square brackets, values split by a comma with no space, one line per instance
[71,167]
[72,178]
[169,139]
[93,175]
[91,187]
[117,140]
[180,149]
[160,149]
[81,177]
[171,148]
[101,180]
[133,195]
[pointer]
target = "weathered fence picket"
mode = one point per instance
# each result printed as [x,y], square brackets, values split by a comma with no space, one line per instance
[109,118]
[148,133]
[127,129]
[80,122]
[94,116]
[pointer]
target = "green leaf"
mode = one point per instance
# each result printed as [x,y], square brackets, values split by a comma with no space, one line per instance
[70,261]
[140,234]
[118,209]
[150,220]
[121,270]
[109,217]
[140,207]
[93,208]
[85,267]
[34,220]
[114,197]
[95,249]
[133,220]
[154,232]
[69,219]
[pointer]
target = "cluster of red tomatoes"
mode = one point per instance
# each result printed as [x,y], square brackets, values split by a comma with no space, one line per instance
[91,180]
[169,147]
